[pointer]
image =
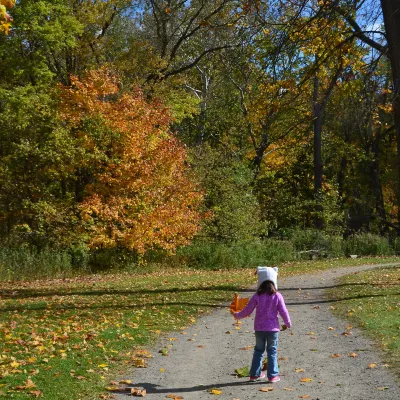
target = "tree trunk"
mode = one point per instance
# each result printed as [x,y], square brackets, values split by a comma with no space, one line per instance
[391,18]
[318,221]
[377,185]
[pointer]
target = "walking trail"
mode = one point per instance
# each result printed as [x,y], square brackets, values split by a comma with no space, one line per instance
[207,356]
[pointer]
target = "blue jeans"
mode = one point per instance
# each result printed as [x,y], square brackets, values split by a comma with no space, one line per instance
[268,341]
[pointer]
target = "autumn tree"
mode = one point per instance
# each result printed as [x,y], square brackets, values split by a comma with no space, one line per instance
[137,193]
[5,17]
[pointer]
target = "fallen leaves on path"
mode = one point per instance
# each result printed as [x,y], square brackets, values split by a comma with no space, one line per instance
[305,396]
[174,396]
[298,370]
[306,380]
[382,388]
[354,355]
[336,355]
[215,391]
[289,389]
[266,389]
[372,365]
[138,392]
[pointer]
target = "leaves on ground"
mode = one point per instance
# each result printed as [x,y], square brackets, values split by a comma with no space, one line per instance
[306,380]
[242,372]
[266,389]
[215,391]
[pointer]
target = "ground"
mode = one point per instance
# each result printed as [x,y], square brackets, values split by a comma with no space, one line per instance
[336,360]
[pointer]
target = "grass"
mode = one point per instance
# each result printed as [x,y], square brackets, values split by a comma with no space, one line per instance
[67,338]
[371,300]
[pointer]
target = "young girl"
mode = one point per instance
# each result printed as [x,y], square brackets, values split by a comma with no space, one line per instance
[268,302]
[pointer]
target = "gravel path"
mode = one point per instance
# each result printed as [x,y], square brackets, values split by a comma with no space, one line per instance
[206,357]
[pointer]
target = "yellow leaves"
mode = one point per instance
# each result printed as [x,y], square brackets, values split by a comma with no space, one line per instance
[215,391]
[14,364]
[306,380]
[372,365]
[299,370]
[352,354]
[139,363]
[174,397]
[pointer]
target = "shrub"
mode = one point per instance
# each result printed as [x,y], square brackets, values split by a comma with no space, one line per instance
[311,239]
[364,244]
[205,255]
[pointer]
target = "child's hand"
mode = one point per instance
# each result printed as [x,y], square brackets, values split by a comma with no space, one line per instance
[283,327]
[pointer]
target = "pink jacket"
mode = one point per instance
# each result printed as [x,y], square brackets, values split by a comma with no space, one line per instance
[267,309]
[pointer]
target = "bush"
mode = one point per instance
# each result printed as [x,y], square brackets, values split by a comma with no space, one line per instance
[20,263]
[311,239]
[214,256]
[367,244]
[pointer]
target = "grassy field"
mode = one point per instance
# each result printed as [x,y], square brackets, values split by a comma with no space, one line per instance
[67,339]
[371,301]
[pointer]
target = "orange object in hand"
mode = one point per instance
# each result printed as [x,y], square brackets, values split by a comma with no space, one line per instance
[238,304]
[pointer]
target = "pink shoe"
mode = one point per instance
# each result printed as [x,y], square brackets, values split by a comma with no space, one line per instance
[274,379]
[257,378]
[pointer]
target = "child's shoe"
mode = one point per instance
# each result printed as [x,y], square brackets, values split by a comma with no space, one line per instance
[274,379]
[257,378]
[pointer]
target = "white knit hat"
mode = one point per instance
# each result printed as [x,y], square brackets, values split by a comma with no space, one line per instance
[267,274]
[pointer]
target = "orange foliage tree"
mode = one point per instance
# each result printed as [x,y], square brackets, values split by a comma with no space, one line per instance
[5,18]
[140,195]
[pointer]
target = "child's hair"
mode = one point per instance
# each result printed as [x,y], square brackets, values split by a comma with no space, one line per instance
[267,287]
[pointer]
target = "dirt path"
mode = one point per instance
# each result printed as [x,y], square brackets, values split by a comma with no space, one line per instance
[195,366]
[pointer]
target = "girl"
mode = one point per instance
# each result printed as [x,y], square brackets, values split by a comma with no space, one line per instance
[268,302]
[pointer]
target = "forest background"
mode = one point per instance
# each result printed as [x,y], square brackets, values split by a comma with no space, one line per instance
[214,134]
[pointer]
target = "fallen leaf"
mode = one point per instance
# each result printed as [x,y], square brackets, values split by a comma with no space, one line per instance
[305,396]
[162,370]
[36,393]
[306,380]
[289,389]
[354,355]
[215,391]
[266,389]
[372,365]
[336,355]
[298,370]
[242,372]
[138,392]
[125,382]
[310,333]
[113,388]
[201,346]
[331,328]
[382,388]
[282,359]
[174,396]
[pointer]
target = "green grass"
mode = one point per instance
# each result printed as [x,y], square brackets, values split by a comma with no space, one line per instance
[371,300]
[70,337]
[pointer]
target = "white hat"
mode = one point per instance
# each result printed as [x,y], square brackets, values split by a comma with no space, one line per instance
[267,274]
